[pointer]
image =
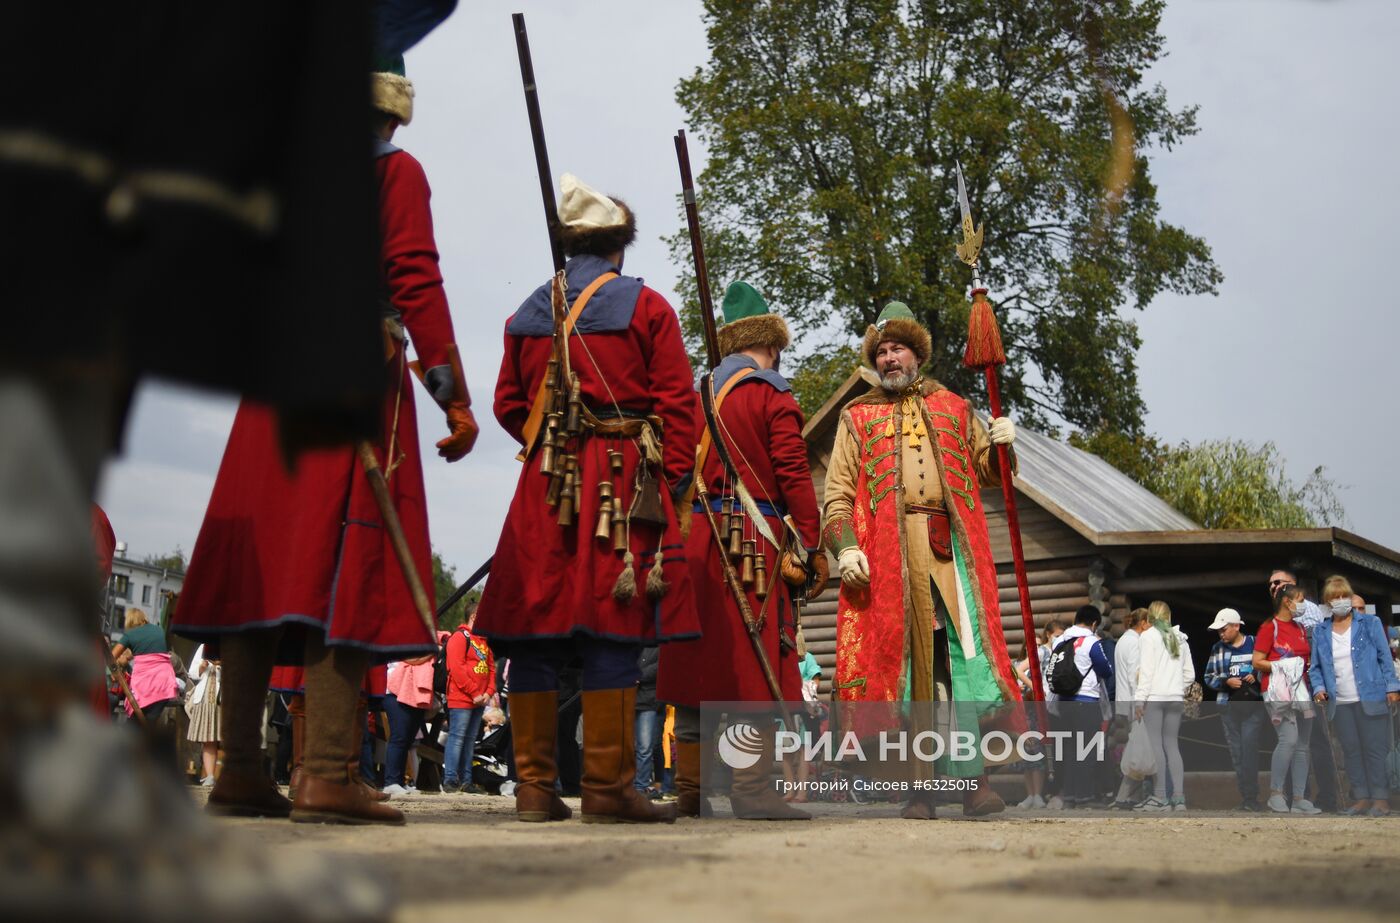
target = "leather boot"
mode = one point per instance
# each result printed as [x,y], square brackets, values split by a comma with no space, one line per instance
[919,807]
[982,800]
[244,788]
[534,719]
[242,793]
[610,762]
[331,801]
[353,767]
[296,711]
[689,801]
[753,796]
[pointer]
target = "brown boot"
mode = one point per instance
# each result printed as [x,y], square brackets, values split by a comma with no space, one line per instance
[610,762]
[919,807]
[534,721]
[328,801]
[689,801]
[243,788]
[240,793]
[296,711]
[982,800]
[753,795]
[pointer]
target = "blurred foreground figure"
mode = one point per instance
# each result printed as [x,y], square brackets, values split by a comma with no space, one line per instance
[185,190]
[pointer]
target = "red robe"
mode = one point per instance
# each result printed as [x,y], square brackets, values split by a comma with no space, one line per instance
[763,429]
[308,548]
[548,581]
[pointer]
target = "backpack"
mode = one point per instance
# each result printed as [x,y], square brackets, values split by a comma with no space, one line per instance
[1065,678]
[440,667]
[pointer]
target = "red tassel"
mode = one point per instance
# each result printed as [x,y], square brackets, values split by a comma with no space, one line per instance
[984,347]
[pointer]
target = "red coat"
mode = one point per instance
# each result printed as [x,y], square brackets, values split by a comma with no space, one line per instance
[308,548]
[471,670]
[553,582]
[764,433]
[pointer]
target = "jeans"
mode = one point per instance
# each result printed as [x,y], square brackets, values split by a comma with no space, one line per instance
[647,735]
[1365,743]
[367,765]
[1243,724]
[1291,754]
[405,721]
[462,727]
[1163,720]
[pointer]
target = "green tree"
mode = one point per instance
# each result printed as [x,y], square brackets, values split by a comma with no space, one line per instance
[833,129]
[175,560]
[1222,484]
[444,585]
[819,373]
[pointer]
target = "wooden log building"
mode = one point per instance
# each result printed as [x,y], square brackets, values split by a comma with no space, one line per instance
[1093,535]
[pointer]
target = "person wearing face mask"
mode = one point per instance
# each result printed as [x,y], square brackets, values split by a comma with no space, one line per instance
[1282,646]
[1353,679]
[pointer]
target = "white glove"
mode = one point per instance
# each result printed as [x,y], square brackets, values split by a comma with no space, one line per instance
[1002,431]
[855,569]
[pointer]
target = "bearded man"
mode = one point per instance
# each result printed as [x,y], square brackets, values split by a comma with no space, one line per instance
[918,619]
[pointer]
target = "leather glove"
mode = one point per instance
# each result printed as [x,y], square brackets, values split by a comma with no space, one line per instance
[462,428]
[1002,431]
[821,574]
[855,568]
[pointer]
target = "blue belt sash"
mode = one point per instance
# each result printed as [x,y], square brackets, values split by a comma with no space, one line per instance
[771,510]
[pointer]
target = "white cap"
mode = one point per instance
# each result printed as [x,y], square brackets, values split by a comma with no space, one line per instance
[581,206]
[1225,617]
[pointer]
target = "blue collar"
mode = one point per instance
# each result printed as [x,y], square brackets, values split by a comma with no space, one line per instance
[610,308]
[732,364]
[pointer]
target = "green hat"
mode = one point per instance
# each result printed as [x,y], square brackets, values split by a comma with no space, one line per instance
[897,323]
[748,322]
[390,90]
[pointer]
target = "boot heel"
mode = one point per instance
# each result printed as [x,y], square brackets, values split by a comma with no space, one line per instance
[532,817]
[601,819]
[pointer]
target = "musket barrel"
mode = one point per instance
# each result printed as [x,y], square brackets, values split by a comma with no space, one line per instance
[532,108]
[697,251]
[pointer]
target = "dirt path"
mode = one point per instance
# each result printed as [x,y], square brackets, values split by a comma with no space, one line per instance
[461,856]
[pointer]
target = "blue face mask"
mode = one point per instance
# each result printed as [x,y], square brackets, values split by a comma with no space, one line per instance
[1341,607]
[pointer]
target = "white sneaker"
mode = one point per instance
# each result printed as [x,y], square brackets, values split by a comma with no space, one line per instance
[1028,802]
[1179,805]
[1153,805]
[1304,806]
[207,782]
[1277,804]
[1039,803]
[1056,803]
[396,789]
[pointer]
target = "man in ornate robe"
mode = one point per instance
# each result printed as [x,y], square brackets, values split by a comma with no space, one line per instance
[918,619]
[591,567]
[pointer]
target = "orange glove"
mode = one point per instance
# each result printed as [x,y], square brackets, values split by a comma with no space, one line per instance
[463,430]
[822,575]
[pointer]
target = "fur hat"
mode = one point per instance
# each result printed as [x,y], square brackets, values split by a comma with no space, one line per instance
[591,222]
[748,322]
[896,323]
[390,91]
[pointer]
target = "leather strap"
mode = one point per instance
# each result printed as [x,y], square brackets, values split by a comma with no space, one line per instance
[702,451]
[535,420]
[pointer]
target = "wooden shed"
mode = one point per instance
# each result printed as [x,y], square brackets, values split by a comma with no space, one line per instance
[1093,535]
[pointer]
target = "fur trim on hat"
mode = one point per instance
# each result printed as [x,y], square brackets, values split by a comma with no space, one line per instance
[600,241]
[748,332]
[899,330]
[392,94]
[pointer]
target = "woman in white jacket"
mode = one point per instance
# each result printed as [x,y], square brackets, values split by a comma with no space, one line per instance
[1164,671]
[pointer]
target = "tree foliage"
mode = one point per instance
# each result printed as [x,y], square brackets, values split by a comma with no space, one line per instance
[444,585]
[833,128]
[174,560]
[1222,484]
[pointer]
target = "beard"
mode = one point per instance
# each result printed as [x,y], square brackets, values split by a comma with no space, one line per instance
[896,381]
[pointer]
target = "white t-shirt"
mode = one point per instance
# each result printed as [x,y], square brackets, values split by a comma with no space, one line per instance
[1342,668]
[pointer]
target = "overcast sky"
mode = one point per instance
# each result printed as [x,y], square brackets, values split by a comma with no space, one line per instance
[1291,180]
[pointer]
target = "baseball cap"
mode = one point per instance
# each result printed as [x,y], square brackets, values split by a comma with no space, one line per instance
[1225,617]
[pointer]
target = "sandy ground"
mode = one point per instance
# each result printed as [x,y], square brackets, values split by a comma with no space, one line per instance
[464,855]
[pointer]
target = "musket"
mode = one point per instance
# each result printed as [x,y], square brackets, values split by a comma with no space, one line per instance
[985,352]
[549,405]
[697,251]
[532,108]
